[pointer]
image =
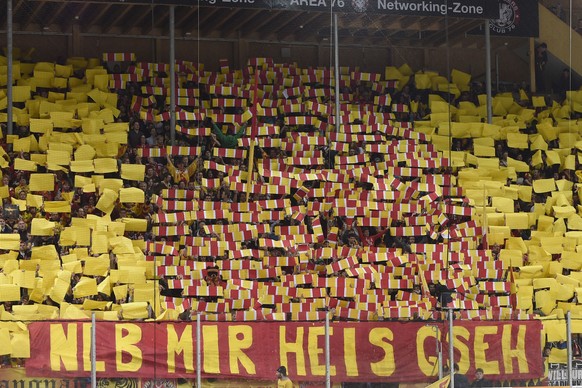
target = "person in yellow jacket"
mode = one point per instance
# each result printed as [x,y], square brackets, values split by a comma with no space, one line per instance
[181,173]
[283,381]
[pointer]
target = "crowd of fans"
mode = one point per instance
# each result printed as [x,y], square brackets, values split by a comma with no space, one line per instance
[371,219]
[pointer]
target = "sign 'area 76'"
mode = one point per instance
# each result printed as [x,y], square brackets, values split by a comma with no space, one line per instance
[475,9]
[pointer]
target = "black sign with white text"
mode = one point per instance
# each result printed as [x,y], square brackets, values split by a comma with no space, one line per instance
[475,9]
[516,18]
[558,374]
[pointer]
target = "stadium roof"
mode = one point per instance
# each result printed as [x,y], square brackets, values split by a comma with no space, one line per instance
[135,17]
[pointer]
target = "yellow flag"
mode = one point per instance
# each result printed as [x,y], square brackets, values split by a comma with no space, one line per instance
[131,195]
[544,185]
[120,292]
[21,144]
[85,287]
[38,158]
[517,140]
[82,166]
[59,290]
[96,266]
[111,184]
[9,293]
[100,242]
[105,286]
[24,165]
[122,245]
[538,101]
[67,237]
[20,93]
[73,266]
[107,201]
[24,279]
[517,220]
[442,383]
[536,159]
[5,338]
[33,200]
[9,241]
[4,192]
[42,182]
[105,165]
[42,227]
[460,78]
[20,203]
[61,158]
[247,115]
[116,137]
[81,181]
[57,207]
[45,252]
[422,81]
[71,311]
[20,344]
[89,304]
[134,172]
[85,152]
[101,82]
[134,310]
[503,205]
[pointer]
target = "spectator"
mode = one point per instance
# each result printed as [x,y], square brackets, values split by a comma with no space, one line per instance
[563,84]
[228,141]
[134,136]
[283,381]
[480,380]
[459,379]
[4,228]
[181,173]
[541,59]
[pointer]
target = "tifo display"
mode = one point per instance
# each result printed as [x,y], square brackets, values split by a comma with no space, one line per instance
[269,206]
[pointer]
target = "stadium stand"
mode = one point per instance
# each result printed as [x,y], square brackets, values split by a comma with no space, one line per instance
[268,208]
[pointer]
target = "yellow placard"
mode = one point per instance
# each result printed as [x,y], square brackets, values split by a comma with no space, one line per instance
[105,165]
[131,195]
[42,182]
[42,227]
[134,172]
[85,287]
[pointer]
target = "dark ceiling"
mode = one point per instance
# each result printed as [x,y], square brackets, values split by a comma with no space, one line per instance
[115,18]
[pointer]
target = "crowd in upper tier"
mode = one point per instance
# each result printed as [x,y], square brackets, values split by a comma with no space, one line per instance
[265,204]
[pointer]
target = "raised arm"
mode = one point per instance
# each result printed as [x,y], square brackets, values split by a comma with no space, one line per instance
[218,132]
[242,130]
[193,167]
[172,168]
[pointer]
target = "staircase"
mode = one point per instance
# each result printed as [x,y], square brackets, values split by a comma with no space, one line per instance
[556,34]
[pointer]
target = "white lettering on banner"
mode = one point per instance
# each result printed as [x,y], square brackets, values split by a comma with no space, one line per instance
[239,1]
[468,9]
[420,6]
[558,374]
[309,3]
[430,7]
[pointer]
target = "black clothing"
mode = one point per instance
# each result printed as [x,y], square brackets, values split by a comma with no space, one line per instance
[134,138]
[480,383]
[461,381]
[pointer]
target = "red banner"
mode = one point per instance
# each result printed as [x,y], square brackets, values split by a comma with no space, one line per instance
[360,351]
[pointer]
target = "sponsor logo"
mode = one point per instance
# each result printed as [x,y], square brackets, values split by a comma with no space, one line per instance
[360,5]
[509,18]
